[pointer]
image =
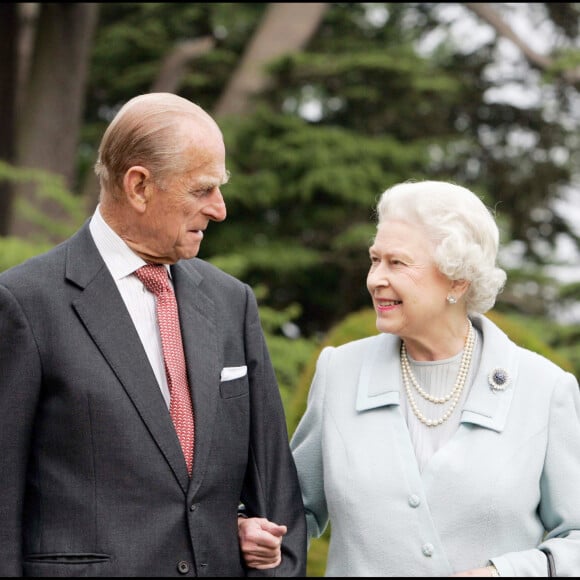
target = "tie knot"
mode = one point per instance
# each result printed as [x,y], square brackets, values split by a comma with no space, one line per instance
[154,278]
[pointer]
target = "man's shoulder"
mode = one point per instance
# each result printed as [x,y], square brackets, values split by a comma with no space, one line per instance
[38,267]
[211,274]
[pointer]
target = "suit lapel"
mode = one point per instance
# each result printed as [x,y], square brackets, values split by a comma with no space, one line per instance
[199,333]
[119,343]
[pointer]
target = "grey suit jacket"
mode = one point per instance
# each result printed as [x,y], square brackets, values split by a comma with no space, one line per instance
[92,477]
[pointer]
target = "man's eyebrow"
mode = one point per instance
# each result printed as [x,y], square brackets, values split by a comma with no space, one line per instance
[209,183]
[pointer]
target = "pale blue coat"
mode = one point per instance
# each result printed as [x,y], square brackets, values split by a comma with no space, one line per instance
[509,475]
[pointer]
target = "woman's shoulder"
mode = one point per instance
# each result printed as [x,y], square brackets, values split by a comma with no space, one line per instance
[542,371]
[362,352]
[532,367]
[362,344]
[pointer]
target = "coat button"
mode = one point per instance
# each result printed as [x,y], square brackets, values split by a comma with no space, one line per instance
[414,500]
[183,567]
[428,550]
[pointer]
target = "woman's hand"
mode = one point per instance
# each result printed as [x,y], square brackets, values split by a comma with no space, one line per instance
[260,542]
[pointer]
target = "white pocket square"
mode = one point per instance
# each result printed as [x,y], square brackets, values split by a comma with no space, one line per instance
[231,373]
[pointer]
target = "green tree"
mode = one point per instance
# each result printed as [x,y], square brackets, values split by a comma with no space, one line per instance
[363,97]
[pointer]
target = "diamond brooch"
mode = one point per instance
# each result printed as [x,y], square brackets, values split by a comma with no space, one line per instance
[499,379]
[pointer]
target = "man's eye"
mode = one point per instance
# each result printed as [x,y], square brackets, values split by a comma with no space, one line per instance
[202,192]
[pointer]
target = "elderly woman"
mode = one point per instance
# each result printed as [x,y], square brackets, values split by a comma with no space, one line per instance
[437,447]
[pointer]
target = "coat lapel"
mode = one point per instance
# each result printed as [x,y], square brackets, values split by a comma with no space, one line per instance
[118,341]
[486,406]
[199,333]
[380,374]
[380,377]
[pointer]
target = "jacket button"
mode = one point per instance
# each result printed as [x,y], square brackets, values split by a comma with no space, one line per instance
[183,567]
[428,550]
[414,500]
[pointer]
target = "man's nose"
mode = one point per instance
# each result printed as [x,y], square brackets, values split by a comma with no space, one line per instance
[216,209]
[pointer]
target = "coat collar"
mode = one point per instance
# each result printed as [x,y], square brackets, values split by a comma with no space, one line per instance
[380,376]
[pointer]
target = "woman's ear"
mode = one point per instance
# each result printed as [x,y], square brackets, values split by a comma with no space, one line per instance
[136,184]
[459,287]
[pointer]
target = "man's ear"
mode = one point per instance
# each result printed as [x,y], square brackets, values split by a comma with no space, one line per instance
[136,184]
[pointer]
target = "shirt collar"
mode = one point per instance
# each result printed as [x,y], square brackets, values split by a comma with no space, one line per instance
[118,256]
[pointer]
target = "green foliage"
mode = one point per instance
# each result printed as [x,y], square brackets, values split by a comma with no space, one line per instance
[530,334]
[284,258]
[288,350]
[566,60]
[288,358]
[317,555]
[45,187]
[358,110]
[14,251]
[133,38]
[373,80]
[300,208]
[554,340]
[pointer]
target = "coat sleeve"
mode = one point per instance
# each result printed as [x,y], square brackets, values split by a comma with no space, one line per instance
[19,389]
[559,506]
[271,487]
[306,445]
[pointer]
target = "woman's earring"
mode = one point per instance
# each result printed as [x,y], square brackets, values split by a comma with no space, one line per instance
[451,299]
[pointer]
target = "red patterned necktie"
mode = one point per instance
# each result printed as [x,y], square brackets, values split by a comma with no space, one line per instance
[156,280]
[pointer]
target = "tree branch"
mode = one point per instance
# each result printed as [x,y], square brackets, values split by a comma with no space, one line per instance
[175,63]
[486,12]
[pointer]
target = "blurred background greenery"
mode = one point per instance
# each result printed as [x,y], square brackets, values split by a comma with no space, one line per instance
[323,106]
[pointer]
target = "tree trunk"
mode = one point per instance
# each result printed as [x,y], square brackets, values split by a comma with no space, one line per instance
[8,83]
[175,63]
[53,97]
[285,28]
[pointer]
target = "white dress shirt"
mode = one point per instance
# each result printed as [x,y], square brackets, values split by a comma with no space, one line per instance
[122,263]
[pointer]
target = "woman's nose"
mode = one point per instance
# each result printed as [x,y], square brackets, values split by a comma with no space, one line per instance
[379,276]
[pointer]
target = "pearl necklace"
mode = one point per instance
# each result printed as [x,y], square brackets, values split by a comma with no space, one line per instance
[454,395]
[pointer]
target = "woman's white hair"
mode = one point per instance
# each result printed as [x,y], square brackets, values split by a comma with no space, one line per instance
[464,233]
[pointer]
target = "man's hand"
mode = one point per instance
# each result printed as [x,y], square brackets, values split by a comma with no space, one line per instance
[260,542]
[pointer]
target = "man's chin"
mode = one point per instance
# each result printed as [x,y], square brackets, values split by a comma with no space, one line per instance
[189,252]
